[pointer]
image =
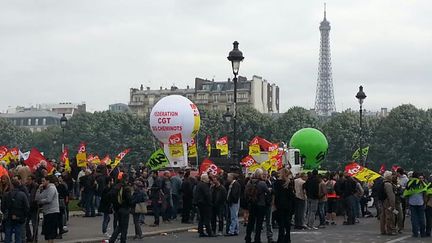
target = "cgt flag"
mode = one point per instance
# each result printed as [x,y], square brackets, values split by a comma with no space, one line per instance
[81,156]
[3,154]
[158,160]
[106,161]
[207,166]
[192,149]
[175,145]
[254,147]
[222,144]
[119,157]
[248,161]
[64,157]
[361,173]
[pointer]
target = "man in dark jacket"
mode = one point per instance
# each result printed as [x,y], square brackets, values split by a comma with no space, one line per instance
[156,197]
[15,205]
[32,186]
[204,202]
[219,195]
[346,190]
[88,187]
[233,201]
[311,187]
[121,203]
[187,192]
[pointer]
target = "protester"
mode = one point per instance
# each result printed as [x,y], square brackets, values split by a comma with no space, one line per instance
[300,202]
[218,195]
[32,187]
[428,211]
[63,194]
[47,197]
[233,202]
[387,196]
[15,205]
[311,187]
[167,203]
[332,198]
[105,206]
[121,196]
[255,194]
[156,197]
[284,200]
[88,190]
[204,202]
[269,207]
[415,192]
[176,185]
[139,197]
[187,193]
[402,181]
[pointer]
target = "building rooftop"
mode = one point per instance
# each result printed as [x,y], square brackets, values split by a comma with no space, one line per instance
[30,114]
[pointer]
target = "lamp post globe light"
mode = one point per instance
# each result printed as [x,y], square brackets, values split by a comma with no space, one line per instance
[361,96]
[63,124]
[235,57]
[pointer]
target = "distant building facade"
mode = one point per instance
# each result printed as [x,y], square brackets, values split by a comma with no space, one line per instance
[35,120]
[213,95]
[40,117]
[119,108]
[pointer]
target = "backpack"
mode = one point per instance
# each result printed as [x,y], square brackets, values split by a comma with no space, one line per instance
[330,186]
[251,192]
[382,195]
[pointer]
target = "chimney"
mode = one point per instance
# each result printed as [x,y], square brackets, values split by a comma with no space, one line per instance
[142,87]
[187,87]
[148,88]
[229,80]
[160,87]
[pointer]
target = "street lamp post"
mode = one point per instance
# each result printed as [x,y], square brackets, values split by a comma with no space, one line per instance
[361,96]
[227,117]
[235,57]
[63,124]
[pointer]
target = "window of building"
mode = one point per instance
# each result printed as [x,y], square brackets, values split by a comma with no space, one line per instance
[243,95]
[201,96]
[29,122]
[230,98]
[36,122]
[44,122]
[215,97]
[22,122]
[14,122]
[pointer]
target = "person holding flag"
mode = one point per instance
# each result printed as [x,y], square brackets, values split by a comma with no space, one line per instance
[415,193]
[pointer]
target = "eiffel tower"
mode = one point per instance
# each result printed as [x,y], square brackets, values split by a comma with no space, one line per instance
[324,99]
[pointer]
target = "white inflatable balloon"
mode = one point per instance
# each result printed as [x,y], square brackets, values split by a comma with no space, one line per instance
[172,115]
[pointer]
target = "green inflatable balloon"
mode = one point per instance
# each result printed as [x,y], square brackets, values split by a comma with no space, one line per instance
[312,144]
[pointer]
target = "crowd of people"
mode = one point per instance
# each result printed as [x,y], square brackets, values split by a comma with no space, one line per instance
[220,204]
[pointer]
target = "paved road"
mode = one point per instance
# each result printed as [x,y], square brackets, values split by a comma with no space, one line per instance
[366,231]
[89,229]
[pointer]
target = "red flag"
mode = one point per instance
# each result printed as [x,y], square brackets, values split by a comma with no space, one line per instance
[254,141]
[382,169]
[207,166]
[3,171]
[395,168]
[36,159]
[175,139]
[120,156]
[248,161]
[82,148]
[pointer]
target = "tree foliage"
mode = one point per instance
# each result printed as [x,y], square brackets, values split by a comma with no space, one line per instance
[402,138]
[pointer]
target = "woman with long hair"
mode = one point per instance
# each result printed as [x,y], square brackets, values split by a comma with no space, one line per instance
[284,199]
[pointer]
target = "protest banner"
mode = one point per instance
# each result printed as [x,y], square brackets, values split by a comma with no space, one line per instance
[157,160]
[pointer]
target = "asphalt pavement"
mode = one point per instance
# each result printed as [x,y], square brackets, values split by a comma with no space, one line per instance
[89,230]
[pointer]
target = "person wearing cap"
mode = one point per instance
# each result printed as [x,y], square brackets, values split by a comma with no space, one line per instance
[387,217]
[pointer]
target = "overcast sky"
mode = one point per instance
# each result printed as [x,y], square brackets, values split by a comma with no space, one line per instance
[94,51]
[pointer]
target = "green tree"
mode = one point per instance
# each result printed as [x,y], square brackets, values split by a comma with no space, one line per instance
[13,136]
[291,121]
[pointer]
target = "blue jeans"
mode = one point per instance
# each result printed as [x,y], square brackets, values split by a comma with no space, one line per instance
[89,203]
[357,207]
[418,220]
[234,221]
[322,212]
[13,228]
[105,222]
[175,204]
